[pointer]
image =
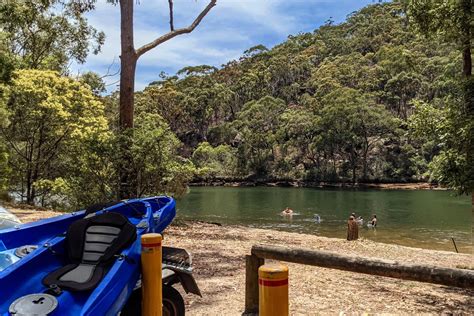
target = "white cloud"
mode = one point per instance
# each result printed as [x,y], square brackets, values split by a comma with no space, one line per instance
[230,28]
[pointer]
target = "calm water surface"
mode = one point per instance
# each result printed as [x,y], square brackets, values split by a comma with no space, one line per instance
[426,219]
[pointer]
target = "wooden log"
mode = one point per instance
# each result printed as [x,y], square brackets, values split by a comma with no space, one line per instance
[423,273]
[251,284]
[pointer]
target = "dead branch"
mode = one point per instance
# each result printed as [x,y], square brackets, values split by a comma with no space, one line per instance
[170,2]
[107,74]
[145,48]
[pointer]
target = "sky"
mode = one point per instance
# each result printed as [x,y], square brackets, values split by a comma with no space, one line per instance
[230,28]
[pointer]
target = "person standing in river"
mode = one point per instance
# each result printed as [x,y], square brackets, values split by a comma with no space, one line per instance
[374,221]
[352,229]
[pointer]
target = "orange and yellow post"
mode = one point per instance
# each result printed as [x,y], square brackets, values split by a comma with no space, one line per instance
[273,290]
[151,275]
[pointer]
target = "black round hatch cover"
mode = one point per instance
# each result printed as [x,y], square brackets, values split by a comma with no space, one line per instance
[33,304]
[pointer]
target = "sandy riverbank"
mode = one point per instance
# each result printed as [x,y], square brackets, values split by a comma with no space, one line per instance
[219,261]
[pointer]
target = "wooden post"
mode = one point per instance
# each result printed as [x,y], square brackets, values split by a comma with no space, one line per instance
[462,278]
[252,263]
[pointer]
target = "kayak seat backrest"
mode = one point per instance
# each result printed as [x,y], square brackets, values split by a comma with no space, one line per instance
[92,245]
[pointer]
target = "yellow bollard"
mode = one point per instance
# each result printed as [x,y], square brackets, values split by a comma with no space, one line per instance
[151,275]
[273,290]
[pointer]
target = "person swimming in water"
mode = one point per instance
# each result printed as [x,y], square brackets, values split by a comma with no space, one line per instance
[287,211]
[317,218]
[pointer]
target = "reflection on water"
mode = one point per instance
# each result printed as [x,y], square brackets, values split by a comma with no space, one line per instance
[427,219]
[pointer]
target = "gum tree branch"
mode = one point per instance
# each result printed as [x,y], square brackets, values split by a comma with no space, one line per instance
[145,48]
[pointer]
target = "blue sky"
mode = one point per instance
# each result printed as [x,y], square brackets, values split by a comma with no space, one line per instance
[230,28]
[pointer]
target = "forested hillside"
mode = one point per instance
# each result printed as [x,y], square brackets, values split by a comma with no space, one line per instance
[369,100]
[345,103]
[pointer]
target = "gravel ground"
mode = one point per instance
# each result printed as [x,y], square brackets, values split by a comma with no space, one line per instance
[219,265]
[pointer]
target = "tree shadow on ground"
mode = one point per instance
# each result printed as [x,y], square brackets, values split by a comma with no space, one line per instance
[434,302]
[214,263]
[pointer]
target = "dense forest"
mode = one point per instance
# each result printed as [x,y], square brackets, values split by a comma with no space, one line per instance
[373,99]
[358,101]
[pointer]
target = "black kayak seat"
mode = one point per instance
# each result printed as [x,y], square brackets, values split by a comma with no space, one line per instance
[92,245]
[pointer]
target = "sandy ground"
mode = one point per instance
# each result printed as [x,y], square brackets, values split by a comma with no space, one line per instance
[219,266]
[219,260]
[27,213]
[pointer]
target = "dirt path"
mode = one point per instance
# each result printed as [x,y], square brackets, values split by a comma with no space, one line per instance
[219,265]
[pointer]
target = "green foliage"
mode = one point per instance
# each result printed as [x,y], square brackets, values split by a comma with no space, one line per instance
[364,100]
[94,81]
[46,34]
[338,104]
[215,161]
[257,124]
[49,116]
[353,126]
[447,18]
[427,122]
[7,61]
[4,168]
[447,130]
[158,167]
[452,22]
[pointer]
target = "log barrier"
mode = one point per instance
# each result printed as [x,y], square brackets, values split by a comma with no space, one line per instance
[462,278]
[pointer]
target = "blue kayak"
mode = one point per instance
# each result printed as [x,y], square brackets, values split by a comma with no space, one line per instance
[83,263]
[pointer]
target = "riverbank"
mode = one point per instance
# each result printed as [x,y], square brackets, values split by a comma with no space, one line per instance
[321,185]
[219,265]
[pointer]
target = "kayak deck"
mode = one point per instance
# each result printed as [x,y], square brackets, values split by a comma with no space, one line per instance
[25,276]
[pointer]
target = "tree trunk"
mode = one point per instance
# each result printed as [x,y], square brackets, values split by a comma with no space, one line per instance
[128,62]
[467,61]
[29,185]
[353,161]
[466,37]
[29,173]
[365,165]
[354,174]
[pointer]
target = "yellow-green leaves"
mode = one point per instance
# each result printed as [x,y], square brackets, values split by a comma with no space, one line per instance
[60,102]
[52,118]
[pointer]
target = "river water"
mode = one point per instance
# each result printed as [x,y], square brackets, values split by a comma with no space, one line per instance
[418,218]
